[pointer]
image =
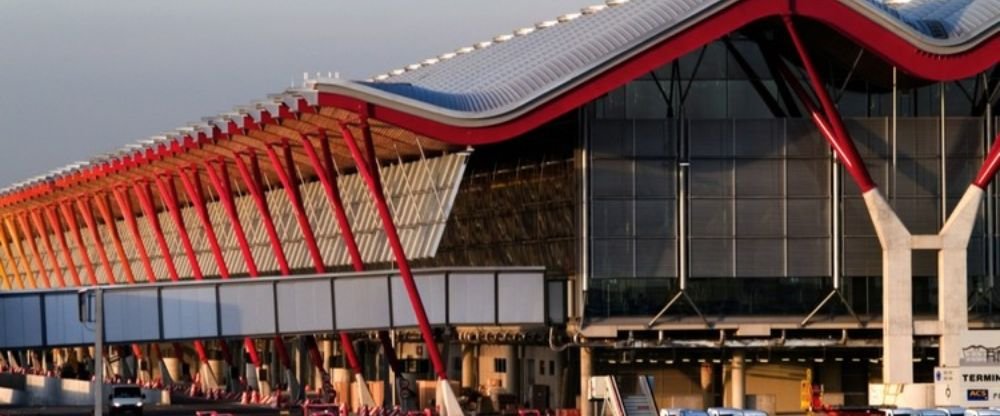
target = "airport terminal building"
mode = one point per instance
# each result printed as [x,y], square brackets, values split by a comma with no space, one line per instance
[730,197]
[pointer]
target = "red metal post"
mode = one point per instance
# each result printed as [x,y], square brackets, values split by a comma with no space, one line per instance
[220,181]
[397,250]
[36,221]
[125,206]
[252,181]
[294,198]
[260,200]
[291,190]
[990,165]
[83,205]
[193,192]
[16,241]
[74,227]
[50,215]
[22,221]
[109,222]
[145,197]
[850,158]
[164,184]
[329,183]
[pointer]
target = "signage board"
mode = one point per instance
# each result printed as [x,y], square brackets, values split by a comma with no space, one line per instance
[976,382]
[977,386]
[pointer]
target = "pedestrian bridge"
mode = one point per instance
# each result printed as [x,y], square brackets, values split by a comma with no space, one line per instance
[266,306]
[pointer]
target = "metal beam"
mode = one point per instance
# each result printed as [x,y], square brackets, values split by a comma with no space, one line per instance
[397,249]
[74,228]
[50,215]
[36,221]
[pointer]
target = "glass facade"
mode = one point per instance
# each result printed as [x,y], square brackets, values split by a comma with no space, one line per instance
[716,132]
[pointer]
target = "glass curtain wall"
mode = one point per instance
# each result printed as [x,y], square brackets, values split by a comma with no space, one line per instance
[759,186]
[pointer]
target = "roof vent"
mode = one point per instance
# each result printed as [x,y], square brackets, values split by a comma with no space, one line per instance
[613,3]
[483,44]
[593,9]
[567,17]
[524,31]
[466,49]
[503,38]
[546,24]
[448,55]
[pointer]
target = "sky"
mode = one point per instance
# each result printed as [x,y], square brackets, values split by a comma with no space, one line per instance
[81,78]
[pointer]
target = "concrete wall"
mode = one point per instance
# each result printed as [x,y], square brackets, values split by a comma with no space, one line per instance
[34,390]
[782,381]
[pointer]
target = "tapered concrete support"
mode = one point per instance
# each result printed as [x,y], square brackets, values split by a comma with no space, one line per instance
[738,381]
[364,394]
[469,367]
[897,290]
[953,308]
[586,372]
[512,378]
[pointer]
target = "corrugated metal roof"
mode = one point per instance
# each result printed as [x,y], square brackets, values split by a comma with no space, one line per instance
[493,77]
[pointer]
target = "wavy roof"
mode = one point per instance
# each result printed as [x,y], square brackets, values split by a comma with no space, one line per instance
[495,78]
[506,86]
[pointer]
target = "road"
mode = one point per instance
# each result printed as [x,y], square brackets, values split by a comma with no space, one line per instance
[180,409]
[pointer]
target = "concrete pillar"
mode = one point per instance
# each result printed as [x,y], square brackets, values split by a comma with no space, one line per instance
[953,310]
[512,378]
[897,290]
[738,381]
[469,366]
[586,372]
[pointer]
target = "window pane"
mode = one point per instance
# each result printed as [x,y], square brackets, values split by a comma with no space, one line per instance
[611,178]
[612,218]
[760,218]
[612,258]
[655,178]
[655,258]
[760,257]
[711,258]
[710,218]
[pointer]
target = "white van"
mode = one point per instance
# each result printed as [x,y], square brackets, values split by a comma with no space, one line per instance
[982,412]
[728,411]
[899,411]
[682,412]
[125,398]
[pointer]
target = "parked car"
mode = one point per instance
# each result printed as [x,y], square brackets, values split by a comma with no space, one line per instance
[682,412]
[125,399]
[728,411]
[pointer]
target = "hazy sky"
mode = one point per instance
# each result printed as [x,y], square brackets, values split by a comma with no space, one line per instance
[79,78]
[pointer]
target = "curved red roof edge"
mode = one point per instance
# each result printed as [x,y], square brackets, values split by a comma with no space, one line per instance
[859,28]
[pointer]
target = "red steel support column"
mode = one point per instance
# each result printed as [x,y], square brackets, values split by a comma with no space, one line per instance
[257,193]
[109,222]
[192,189]
[169,199]
[990,165]
[145,197]
[398,252]
[252,181]
[329,182]
[83,205]
[16,241]
[50,215]
[291,190]
[164,184]
[125,206]
[295,199]
[13,262]
[332,189]
[849,156]
[36,221]
[74,227]
[220,181]
[193,192]
[22,221]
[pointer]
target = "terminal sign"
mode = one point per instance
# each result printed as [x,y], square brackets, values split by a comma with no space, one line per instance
[976,382]
[967,386]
